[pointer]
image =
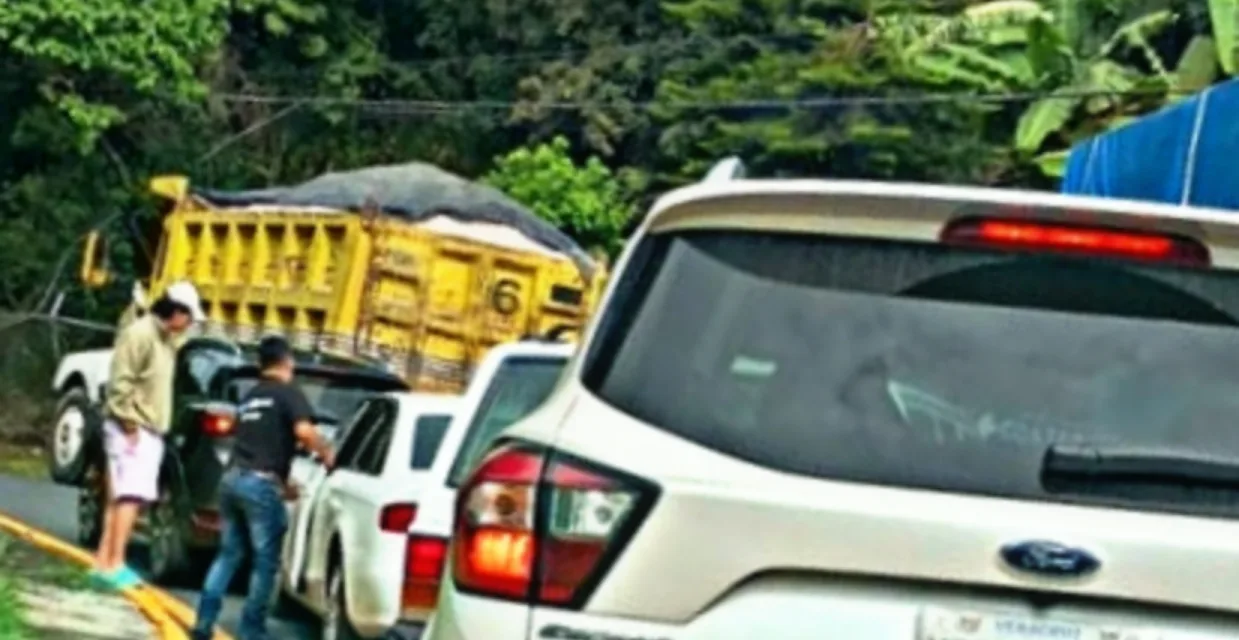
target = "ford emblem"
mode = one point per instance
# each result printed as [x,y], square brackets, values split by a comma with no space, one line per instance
[1049,559]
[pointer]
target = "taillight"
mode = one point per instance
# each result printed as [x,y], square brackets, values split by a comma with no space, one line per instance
[423,568]
[397,517]
[540,527]
[217,424]
[1076,239]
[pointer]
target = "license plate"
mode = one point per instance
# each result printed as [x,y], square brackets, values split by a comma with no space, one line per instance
[940,624]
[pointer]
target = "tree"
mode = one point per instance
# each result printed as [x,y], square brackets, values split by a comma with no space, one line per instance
[587,201]
[101,94]
[1093,60]
[794,59]
[75,73]
[1224,16]
[90,59]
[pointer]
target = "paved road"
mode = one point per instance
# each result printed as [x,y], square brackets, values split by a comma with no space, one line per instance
[53,508]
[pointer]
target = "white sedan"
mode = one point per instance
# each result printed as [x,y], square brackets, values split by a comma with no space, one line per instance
[348,556]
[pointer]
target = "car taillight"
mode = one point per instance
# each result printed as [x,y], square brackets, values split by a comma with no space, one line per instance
[540,527]
[217,425]
[1076,239]
[397,517]
[423,569]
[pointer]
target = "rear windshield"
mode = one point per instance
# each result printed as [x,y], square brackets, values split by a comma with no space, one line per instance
[520,384]
[334,398]
[924,366]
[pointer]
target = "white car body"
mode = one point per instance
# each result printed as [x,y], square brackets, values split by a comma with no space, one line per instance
[335,525]
[78,385]
[470,433]
[87,370]
[731,546]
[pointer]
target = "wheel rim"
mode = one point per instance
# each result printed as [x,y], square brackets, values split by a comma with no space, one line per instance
[69,433]
[161,540]
[90,505]
[331,622]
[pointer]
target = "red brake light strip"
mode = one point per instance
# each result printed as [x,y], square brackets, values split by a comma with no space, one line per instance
[1077,239]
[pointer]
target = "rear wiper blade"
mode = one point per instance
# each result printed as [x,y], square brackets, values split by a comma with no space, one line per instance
[1133,464]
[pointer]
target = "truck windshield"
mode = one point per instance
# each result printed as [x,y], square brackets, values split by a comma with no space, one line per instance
[923,366]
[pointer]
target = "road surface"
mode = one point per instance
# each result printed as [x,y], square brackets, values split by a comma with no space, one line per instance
[53,508]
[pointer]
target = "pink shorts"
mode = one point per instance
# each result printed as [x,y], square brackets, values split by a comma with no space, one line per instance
[133,467]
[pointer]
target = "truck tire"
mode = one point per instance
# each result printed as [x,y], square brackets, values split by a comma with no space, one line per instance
[170,561]
[77,427]
[91,501]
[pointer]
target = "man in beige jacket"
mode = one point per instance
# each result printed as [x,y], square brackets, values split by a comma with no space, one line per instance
[139,414]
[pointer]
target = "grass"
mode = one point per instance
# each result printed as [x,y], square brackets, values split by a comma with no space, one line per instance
[22,561]
[12,625]
[24,461]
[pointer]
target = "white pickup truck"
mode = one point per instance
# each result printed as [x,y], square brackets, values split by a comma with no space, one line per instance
[79,386]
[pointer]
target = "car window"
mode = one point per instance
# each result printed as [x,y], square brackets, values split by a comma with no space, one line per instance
[919,365]
[427,437]
[374,451]
[356,434]
[519,385]
[197,366]
[333,398]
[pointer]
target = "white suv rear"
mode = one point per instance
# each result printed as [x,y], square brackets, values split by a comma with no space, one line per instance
[814,409]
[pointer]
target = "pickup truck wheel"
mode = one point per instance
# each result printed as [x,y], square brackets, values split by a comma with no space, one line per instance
[336,625]
[91,500]
[168,555]
[76,424]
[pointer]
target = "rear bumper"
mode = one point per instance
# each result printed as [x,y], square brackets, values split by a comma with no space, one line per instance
[465,617]
[793,608]
[373,579]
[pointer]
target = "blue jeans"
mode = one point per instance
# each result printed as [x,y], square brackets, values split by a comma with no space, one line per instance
[254,517]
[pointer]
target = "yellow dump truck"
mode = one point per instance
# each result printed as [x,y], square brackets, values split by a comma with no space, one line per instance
[406,264]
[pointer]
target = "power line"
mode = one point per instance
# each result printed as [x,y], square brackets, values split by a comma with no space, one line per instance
[671,44]
[658,45]
[397,106]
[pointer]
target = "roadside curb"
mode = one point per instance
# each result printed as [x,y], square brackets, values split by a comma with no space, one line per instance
[169,616]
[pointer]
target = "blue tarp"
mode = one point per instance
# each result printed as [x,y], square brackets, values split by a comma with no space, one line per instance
[1185,154]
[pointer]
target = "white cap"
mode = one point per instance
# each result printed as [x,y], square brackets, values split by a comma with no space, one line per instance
[186,294]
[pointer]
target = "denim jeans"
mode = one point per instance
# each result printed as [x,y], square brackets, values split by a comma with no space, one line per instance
[254,517]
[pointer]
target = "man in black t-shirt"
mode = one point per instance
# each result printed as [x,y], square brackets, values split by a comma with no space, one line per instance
[271,421]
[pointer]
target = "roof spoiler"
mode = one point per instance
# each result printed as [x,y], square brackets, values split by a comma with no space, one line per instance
[725,170]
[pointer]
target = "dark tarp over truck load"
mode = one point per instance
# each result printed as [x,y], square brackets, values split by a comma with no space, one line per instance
[416,191]
[1184,154]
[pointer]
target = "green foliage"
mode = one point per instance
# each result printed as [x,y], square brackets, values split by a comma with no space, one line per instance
[1198,68]
[1225,18]
[1094,59]
[811,52]
[98,95]
[587,201]
[84,53]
